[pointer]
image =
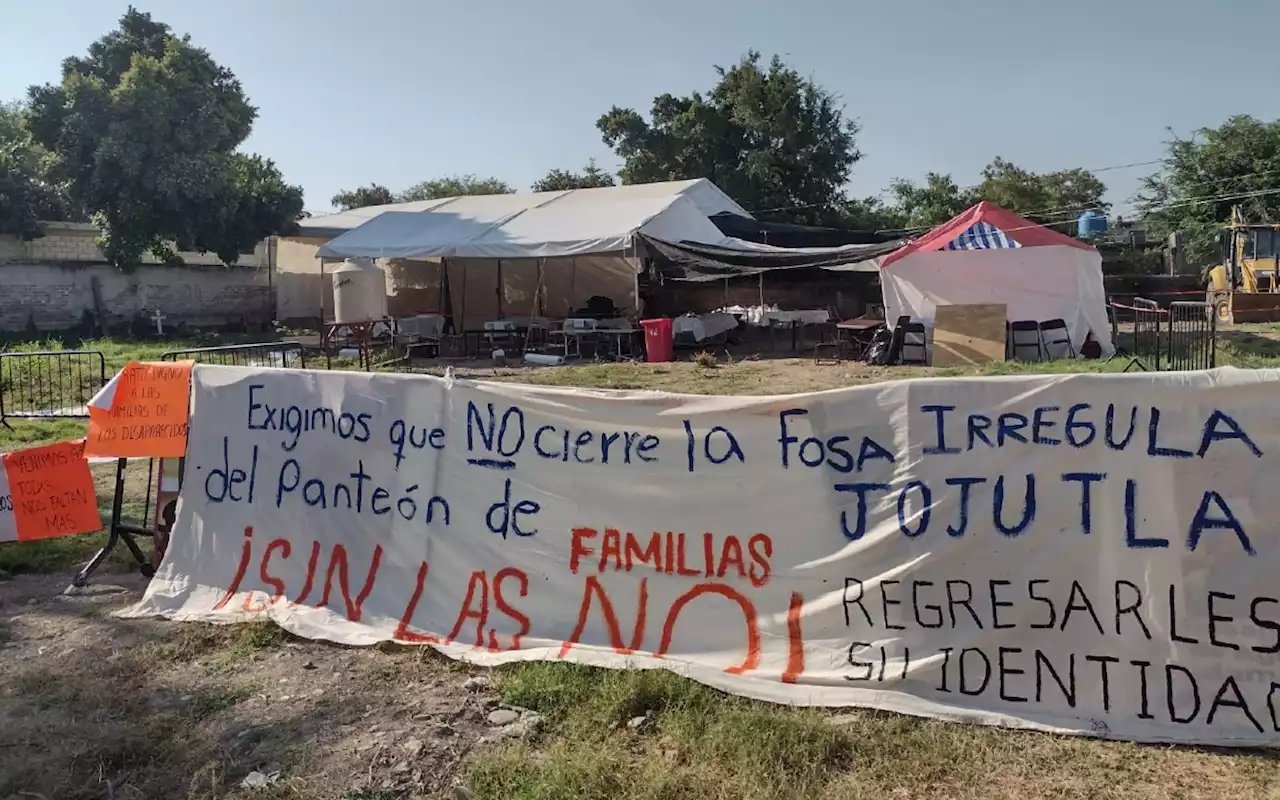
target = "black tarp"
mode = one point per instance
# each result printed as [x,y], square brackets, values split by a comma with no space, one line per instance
[781,234]
[689,261]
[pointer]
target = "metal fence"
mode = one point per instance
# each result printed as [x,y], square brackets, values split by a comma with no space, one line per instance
[287,355]
[1192,337]
[1148,336]
[50,384]
[1180,337]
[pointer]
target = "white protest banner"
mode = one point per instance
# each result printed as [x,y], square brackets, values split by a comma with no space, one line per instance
[1089,553]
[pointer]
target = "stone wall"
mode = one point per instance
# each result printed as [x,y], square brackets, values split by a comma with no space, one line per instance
[52,281]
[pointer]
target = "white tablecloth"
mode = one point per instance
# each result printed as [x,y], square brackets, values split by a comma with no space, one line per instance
[704,326]
[763,317]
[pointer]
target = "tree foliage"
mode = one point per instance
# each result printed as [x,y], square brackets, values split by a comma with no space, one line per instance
[145,129]
[30,186]
[775,141]
[454,186]
[559,180]
[374,194]
[930,203]
[1205,175]
[1052,198]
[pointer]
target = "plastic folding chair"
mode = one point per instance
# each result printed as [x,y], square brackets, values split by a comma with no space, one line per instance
[1024,341]
[1055,340]
[915,344]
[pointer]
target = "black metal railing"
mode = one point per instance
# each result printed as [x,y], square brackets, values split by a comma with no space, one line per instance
[50,384]
[287,355]
[1183,336]
[1192,337]
[1148,334]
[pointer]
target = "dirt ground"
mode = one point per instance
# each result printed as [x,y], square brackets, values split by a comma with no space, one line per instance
[92,706]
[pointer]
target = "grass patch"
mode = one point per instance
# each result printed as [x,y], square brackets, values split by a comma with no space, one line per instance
[699,744]
[696,742]
[210,703]
[228,645]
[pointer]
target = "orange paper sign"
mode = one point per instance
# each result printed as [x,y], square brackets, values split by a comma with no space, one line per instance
[148,415]
[52,491]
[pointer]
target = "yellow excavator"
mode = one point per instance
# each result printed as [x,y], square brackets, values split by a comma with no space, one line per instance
[1245,287]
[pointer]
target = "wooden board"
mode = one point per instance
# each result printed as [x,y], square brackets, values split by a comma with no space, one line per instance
[965,335]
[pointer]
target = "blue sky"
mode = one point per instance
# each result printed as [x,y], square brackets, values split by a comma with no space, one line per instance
[397,91]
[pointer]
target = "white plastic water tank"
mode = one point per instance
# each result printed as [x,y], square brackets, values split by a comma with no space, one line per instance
[359,292]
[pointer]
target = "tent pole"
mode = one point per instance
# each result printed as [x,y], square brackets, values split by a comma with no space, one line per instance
[322,294]
[635,279]
[500,291]
[762,290]
[726,292]
[461,325]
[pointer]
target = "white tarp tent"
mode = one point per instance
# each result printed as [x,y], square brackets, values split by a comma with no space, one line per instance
[496,226]
[499,249]
[990,255]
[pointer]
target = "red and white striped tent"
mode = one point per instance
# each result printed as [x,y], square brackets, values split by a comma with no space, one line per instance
[990,255]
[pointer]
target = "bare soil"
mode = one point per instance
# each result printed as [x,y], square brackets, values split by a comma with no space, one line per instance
[92,706]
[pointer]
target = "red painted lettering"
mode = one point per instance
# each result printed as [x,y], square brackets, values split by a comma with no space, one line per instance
[403,633]
[312,563]
[505,608]
[593,587]
[338,562]
[748,611]
[795,640]
[478,580]
[244,565]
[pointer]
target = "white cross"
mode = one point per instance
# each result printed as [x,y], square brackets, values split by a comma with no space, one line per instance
[158,319]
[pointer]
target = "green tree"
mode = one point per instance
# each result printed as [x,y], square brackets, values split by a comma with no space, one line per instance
[775,141]
[930,203]
[454,186]
[1052,198]
[372,195]
[559,180]
[30,189]
[1205,175]
[146,129]
[871,214]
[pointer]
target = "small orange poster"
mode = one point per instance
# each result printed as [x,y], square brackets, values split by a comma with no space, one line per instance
[148,413]
[51,491]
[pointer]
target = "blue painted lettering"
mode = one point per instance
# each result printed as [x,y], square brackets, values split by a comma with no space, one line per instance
[1028,507]
[964,483]
[922,517]
[861,490]
[1039,425]
[1086,481]
[1153,436]
[1072,425]
[1131,538]
[1212,433]
[1226,522]
[940,430]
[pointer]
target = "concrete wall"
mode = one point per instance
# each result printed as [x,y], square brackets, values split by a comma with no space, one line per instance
[53,280]
[301,293]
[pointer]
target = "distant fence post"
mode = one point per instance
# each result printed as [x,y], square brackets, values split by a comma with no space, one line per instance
[1148,320]
[49,384]
[1192,339]
[286,355]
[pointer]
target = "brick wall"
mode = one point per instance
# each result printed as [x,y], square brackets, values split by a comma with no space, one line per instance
[53,280]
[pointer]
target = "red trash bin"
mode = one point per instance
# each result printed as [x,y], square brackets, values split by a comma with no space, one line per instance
[659,340]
